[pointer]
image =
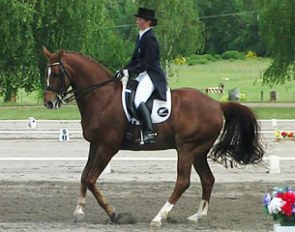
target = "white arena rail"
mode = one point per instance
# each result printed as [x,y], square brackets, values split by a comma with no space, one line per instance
[50,129]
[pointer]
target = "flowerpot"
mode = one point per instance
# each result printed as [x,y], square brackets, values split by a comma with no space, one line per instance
[285,228]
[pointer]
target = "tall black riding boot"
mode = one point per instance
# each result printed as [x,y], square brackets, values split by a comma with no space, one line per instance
[149,135]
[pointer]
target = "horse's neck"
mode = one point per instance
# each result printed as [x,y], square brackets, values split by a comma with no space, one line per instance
[85,74]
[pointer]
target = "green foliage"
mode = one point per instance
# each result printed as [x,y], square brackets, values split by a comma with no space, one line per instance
[192,62]
[200,59]
[179,29]
[277,20]
[209,57]
[230,25]
[106,43]
[90,27]
[232,54]
[17,36]
[217,57]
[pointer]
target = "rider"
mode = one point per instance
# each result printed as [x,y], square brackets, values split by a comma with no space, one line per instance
[145,65]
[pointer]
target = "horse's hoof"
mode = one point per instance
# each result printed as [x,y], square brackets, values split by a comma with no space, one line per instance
[115,216]
[79,216]
[156,224]
[194,218]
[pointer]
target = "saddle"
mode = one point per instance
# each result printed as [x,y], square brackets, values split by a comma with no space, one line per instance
[160,110]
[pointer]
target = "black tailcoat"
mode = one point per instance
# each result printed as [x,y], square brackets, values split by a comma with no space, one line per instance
[146,57]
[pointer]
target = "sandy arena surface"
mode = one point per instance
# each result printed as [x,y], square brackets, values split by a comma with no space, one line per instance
[40,195]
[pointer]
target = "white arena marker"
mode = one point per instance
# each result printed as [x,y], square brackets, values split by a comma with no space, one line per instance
[274,164]
[64,135]
[274,123]
[32,123]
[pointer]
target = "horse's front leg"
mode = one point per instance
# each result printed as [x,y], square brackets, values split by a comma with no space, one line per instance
[97,161]
[79,213]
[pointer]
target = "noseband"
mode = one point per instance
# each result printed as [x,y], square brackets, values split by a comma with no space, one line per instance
[61,90]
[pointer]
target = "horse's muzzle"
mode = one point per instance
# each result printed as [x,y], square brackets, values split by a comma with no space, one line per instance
[52,104]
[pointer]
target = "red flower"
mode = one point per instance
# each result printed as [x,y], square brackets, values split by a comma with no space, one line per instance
[289,198]
[284,134]
[287,208]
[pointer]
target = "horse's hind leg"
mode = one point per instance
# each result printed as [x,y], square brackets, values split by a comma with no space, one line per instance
[207,180]
[182,183]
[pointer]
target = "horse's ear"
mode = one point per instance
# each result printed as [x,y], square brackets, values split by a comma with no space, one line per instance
[46,52]
[61,53]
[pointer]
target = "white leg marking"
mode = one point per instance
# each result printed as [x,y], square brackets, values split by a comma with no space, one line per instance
[163,214]
[79,214]
[202,211]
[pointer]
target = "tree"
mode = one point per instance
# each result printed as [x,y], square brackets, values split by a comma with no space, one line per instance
[16,65]
[104,30]
[179,29]
[65,24]
[110,38]
[230,25]
[277,20]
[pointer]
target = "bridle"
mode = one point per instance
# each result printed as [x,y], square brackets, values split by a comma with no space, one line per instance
[61,89]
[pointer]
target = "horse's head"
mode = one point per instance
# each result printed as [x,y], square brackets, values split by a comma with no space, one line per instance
[57,79]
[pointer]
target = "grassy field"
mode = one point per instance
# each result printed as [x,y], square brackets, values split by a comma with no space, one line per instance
[70,112]
[244,75]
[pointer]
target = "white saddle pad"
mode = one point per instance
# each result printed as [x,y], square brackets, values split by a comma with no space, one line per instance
[160,112]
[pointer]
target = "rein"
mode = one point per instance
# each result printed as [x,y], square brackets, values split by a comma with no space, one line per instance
[62,93]
[81,92]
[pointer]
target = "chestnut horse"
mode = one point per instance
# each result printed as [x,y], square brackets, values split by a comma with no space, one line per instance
[195,123]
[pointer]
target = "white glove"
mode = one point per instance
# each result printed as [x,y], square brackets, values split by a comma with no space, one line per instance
[121,73]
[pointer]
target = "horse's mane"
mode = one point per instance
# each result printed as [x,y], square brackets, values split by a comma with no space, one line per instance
[89,58]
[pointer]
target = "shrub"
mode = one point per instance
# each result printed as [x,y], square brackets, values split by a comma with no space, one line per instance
[209,57]
[192,62]
[217,57]
[233,54]
[251,54]
[200,59]
[179,60]
[243,97]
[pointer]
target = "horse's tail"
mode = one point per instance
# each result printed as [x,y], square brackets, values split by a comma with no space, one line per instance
[239,139]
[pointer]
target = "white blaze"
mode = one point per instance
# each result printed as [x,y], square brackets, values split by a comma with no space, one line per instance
[48,75]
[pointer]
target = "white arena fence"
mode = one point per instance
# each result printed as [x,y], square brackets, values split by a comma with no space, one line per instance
[50,129]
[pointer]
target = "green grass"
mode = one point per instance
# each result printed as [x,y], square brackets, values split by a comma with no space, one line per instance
[274,113]
[242,74]
[70,112]
[23,98]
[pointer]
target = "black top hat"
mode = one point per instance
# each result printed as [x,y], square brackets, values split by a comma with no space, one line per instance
[147,14]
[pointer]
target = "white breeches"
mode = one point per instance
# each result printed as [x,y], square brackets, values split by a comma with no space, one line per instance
[144,90]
